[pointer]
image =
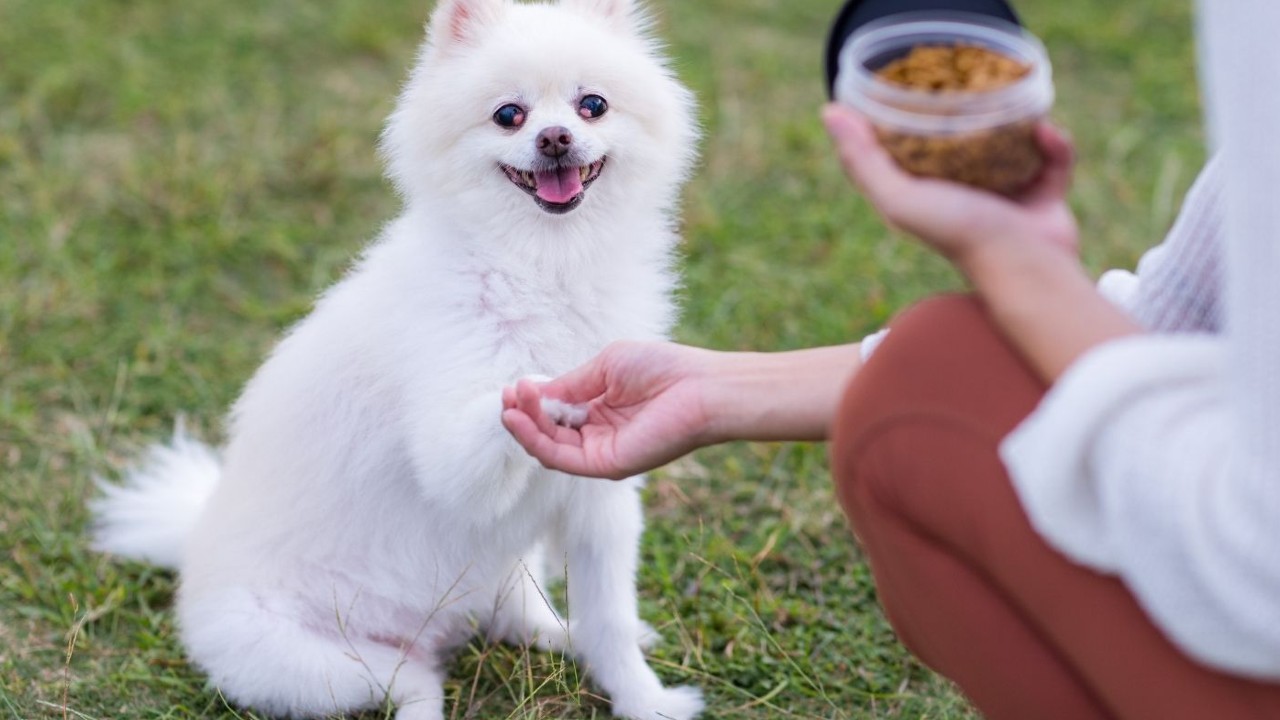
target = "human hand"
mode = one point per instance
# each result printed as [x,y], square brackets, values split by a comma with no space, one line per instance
[645,405]
[958,221]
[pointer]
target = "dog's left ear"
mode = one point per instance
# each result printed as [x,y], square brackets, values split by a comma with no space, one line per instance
[622,12]
[460,22]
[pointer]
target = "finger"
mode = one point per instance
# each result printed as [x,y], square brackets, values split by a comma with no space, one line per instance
[580,385]
[508,398]
[865,161]
[529,402]
[556,434]
[527,434]
[1059,163]
[1055,142]
[567,457]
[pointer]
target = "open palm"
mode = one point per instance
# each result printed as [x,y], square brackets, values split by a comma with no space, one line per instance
[645,407]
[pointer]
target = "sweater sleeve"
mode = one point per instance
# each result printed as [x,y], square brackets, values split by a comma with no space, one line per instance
[1177,284]
[1156,458]
[1129,466]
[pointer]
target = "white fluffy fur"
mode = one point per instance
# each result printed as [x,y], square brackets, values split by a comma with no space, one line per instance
[370,508]
[151,517]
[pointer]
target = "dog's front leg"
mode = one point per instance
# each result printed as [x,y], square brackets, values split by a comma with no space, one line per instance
[602,535]
[463,458]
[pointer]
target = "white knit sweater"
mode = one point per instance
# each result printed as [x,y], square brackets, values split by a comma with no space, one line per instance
[1157,458]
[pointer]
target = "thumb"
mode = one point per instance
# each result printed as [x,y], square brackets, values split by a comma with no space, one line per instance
[851,132]
[582,384]
[865,161]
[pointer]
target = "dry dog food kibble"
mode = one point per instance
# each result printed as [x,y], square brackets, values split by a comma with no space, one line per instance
[1003,159]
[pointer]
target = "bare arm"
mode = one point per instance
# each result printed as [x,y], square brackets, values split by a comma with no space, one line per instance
[780,396]
[1043,302]
[649,403]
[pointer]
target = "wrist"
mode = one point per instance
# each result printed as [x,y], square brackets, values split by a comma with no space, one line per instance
[1044,303]
[727,379]
[1003,263]
[775,396]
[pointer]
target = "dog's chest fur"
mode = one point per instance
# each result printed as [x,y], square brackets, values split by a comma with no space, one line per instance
[542,309]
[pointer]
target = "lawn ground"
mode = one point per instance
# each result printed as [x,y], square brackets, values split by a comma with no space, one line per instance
[179,180]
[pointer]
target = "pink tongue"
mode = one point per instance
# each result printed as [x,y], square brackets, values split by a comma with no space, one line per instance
[559,186]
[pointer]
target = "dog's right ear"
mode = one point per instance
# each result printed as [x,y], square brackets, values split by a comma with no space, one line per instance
[622,12]
[460,22]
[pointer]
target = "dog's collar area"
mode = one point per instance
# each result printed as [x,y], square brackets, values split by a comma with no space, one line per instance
[557,190]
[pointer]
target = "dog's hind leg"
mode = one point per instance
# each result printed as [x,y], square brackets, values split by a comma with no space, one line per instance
[261,656]
[523,613]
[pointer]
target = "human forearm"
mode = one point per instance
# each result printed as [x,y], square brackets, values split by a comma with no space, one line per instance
[777,396]
[648,403]
[1043,302]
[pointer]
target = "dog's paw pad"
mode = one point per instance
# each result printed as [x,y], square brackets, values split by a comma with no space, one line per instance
[562,413]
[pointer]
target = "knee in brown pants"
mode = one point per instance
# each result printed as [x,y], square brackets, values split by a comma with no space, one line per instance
[966,581]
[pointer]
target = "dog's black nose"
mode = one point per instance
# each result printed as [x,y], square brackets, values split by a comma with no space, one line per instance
[555,141]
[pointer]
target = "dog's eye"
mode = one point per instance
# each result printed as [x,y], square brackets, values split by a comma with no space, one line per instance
[509,116]
[592,106]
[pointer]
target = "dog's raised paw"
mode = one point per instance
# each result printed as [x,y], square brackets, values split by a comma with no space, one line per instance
[677,703]
[562,413]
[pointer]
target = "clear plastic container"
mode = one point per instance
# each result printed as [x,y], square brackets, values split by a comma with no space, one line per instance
[983,138]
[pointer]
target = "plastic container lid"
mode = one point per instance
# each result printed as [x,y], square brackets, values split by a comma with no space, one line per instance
[856,13]
[935,113]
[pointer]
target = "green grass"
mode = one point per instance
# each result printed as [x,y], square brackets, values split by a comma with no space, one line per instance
[179,180]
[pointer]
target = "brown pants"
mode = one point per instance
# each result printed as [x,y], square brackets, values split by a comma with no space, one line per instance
[966,582]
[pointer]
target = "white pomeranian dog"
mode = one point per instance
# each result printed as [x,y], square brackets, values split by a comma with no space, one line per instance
[369,512]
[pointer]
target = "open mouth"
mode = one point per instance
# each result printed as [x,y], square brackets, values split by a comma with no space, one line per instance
[559,189]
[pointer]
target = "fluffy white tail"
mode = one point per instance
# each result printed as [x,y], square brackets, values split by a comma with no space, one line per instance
[149,516]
